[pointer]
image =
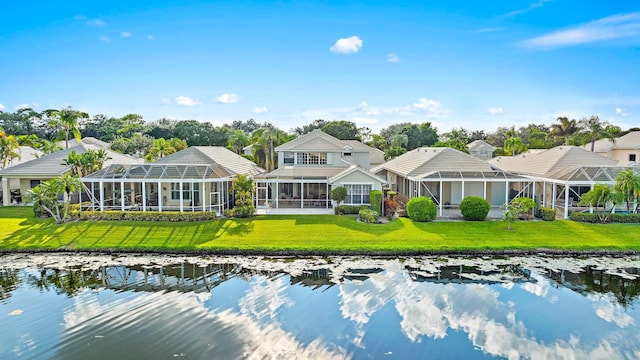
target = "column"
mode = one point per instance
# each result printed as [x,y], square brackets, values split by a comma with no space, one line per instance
[566,201]
[122,195]
[144,196]
[6,194]
[553,197]
[441,198]
[101,191]
[181,199]
[159,196]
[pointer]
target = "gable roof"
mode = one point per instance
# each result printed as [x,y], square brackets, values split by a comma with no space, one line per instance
[86,140]
[355,168]
[50,165]
[209,155]
[27,153]
[317,140]
[480,143]
[630,141]
[422,161]
[551,162]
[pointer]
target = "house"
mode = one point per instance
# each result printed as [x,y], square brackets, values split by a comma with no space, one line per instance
[197,178]
[624,149]
[481,149]
[314,163]
[20,178]
[560,175]
[447,176]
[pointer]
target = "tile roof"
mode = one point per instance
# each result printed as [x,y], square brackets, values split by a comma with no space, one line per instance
[630,141]
[208,155]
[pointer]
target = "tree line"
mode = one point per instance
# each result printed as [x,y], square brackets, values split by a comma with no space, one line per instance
[132,135]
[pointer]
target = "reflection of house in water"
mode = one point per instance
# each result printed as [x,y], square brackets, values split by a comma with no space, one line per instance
[462,274]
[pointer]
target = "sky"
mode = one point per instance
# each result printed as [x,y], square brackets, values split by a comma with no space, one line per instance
[455,63]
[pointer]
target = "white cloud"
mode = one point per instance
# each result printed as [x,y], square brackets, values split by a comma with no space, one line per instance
[125,34]
[187,101]
[347,45]
[80,17]
[165,100]
[260,110]
[149,37]
[622,112]
[393,58]
[496,110]
[608,28]
[105,39]
[2,107]
[535,5]
[97,22]
[22,106]
[364,120]
[227,99]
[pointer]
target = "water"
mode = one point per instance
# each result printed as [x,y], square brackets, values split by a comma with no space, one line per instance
[164,307]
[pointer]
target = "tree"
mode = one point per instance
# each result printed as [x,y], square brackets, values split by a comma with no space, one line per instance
[564,130]
[139,144]
[342,129]
[514,145]
[242,187]
[161,128]
[8,148]
[305,129]
[130,124]
[602,195]
[45,196]
[594,129]
[238,140]
[83,164]
[628,184]
[160,149]
[67,119]
[399,141]
[338,194]
[265,140]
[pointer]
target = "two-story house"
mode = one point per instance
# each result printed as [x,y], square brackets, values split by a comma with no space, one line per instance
[311,165]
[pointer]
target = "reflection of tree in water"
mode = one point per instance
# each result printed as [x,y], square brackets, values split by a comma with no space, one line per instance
[9,281]
[68,282]
[593,280]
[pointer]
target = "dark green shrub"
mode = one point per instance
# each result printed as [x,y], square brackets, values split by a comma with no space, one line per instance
[169,216]
[368,216]
[524,206]
[375,198]
[338,194]
[348,209]
[421,209]
[595,218]
[474,208]
[547,214]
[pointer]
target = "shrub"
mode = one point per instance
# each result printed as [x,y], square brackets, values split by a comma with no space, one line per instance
[421,209]
[338,194]
[474,208]
[524,207]
[368,216]
[375,198]
[170,216]
[595,218]
[547,214]
[391,194]
[348,209]
[390,207]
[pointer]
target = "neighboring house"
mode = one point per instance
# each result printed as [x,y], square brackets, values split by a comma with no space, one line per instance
[481,149]
[248,150]
[197,178]
[624,149]
[86,140]
[25,153]
[561,174]
[311,165]
[18,179]
[447,176]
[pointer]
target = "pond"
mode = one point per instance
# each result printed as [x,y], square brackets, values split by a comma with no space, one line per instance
[160,307]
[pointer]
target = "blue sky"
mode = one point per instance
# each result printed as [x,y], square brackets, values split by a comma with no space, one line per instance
[456,63]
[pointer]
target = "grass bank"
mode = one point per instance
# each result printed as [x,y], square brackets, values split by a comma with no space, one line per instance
[319,234]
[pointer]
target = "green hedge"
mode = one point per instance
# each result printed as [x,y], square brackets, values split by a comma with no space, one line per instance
[171,216]
[474,208]
[611,218]
[547,214]
[375,198]
[349,209]
[421,209]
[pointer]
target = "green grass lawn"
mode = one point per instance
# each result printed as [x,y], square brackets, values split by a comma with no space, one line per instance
[19,230]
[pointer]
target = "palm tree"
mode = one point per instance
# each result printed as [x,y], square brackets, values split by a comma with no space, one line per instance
[514,145]
[628,183]
[160,149]
[68,120]
[238,140]
[266,137]
[595,129]
[564,130]
[8,149]
[601,195]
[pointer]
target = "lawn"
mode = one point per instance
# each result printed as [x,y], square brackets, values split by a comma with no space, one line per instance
[19,230]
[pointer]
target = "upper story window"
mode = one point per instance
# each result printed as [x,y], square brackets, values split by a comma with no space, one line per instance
[312,158]
[346,154]
[288,157]
[484,152]
[632,157]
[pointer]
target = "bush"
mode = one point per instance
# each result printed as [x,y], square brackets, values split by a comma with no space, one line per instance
[368,216]
[170,216]
[524,206]
[338,194]
[612,218]
[390,207]
[242,211]
[375,198]
[348,209]
[547,214]
[474,208]
[421,209]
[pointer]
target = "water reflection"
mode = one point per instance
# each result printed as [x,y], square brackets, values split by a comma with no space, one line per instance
[235,307]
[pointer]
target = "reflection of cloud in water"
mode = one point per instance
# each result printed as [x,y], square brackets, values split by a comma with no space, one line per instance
[431,309]
[611,312]
[193,326]
[264,298]
[539,287]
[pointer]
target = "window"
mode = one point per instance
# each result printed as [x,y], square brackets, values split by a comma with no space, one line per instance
[288,157]
[34,183]
[346,154]
[186,191]
[357,193]
[312,158]
[483,152]
[632,157]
